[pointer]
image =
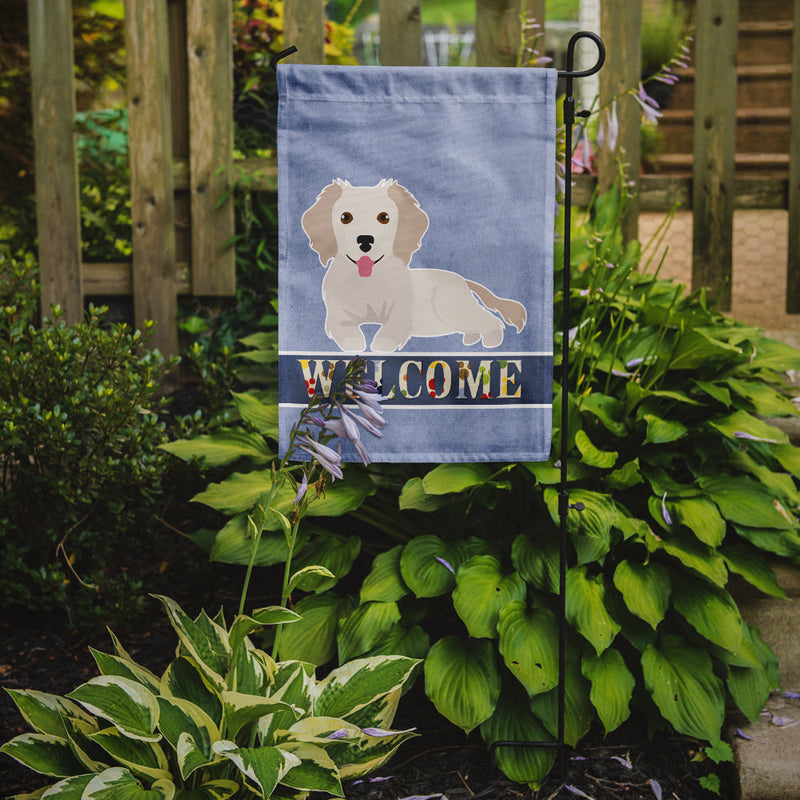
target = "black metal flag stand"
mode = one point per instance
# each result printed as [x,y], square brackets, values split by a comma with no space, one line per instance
[564,506]
[563,494]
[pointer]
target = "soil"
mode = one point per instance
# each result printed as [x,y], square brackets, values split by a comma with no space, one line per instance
[45,654]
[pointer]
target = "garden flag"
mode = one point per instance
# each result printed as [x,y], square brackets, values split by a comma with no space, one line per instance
[416,219]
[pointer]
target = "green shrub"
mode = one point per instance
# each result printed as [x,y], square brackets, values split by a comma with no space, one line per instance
[223,720]
[79,430]
[683,483]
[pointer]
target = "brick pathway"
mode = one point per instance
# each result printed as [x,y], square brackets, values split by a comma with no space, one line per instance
[759,266]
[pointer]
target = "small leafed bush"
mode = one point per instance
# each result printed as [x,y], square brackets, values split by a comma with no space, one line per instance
[79,464]
[223,720]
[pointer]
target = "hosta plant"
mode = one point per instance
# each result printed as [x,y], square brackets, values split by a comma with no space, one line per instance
[224,720]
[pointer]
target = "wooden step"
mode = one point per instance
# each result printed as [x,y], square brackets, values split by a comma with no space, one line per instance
[767,165]
[765,42]
[754,10]
[758,85]
[758,130]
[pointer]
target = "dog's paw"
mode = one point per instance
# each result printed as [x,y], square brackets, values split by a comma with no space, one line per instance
[493,338]
[385,344]
[350,343]
[470,338]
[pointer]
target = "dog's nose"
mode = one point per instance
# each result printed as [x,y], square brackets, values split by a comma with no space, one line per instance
[365,242]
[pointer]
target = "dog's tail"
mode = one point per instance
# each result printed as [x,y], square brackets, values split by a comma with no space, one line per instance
[512,312]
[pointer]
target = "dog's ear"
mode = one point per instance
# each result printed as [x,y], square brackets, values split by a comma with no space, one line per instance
[412,222]
[318,225]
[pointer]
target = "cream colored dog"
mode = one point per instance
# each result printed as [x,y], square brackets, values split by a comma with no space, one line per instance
[365,236]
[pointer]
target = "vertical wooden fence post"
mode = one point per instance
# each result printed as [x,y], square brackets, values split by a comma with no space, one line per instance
[621,28]
[210,53]
[713,191]
[793,267]
[304,27]
[401,33]
[498,29]
[152,201]
[56,160]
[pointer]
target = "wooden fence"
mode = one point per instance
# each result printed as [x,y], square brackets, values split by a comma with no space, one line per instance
[180,93]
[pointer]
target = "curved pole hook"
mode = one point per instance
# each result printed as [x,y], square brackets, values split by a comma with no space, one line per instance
[585,73]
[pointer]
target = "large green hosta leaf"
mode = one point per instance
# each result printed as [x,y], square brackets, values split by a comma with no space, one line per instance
[462,680]
[45,712]
[428,565]
[448,478]
[682,683]
[313,638]
[745,502]
[335,553]
[746,561]
[145,759]
[646,589]
[612,686]
[591,455]
[223,446]
[513,721]
[700,516]
[365,628]
[578,710]
[529,645]
[264,766]
[385,581]
[586,608]
[537,561]
[117,783]
[481,591]
[709,609]
[261,416]
[740,424]
[316,771]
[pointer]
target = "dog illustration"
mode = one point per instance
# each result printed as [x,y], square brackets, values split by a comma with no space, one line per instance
[365,237]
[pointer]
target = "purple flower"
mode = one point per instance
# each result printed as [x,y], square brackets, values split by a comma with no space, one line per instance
[742,735]
[792,695]
[655,786]
[577,792]
[301,489]
[648,105]
[368,426]
[342,733]
[664,512]
[327,458]
[380,732]
[624,761]
[446,564]
[745,435]
[608,131]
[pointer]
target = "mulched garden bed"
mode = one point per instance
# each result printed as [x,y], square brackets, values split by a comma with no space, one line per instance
[45,654]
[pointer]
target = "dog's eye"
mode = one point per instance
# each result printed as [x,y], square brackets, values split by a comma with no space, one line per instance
[383,218]
[346,218]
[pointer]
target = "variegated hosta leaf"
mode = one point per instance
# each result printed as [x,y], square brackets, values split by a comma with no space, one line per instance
[145,759]
[529,645]
[180,717]
[323,731]
[481,591]
[354,685]
[252,670]
[262,766]
[612,686]
[646,589]
[68,789]
[78,733]
[244,625]
[204,641]
[462,680]
[683,685]
[125,668]
[365,627]
[183,679]
[513,721]
[190,755]
[45,712]
[316,771]
[385,581]
[586,608]
[126,704]
[212,790]
[117,783]
[294,685]
[578,710]
[44,753]
[242,709]
[373,753]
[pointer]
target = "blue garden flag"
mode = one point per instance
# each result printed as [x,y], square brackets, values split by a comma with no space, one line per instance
[416,228]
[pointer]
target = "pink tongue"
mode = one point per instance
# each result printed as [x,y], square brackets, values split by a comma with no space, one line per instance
[365,264]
